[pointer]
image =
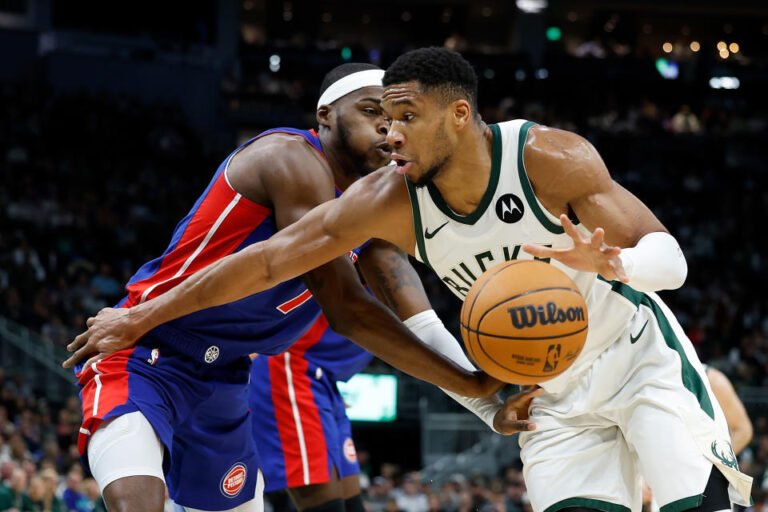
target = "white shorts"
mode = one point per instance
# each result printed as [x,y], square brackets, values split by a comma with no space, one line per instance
[644,407]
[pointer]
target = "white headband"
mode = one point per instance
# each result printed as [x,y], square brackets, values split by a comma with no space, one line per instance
[350,83]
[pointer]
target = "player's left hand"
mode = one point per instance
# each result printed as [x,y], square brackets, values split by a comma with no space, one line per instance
[109,331]
[588,254]
[513,415]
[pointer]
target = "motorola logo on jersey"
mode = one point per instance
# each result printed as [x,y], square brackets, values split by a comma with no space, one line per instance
[234,480]
[509,208]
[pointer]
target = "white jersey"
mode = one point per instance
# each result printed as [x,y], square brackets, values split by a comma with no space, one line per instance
[460,248]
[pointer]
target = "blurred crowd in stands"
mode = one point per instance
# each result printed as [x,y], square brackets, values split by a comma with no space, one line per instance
[93,185]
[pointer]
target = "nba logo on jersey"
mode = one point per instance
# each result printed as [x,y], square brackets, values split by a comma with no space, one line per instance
[153,357]
[234,480]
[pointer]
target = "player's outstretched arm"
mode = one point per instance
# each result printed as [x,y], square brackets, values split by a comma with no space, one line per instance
[394,281]
[625,241]
[736,416]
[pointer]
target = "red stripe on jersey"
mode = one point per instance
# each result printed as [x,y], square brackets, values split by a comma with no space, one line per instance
[289,305]
[301,433]
[105,386]
[221,223]
[310,338]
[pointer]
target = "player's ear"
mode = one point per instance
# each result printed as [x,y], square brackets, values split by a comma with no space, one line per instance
[462,113]
[323,115]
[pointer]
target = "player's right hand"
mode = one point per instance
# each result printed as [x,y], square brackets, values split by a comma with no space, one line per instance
[109,331]
[513,415]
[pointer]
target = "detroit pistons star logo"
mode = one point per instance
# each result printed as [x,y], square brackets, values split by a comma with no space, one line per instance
[234,480]
[349,450]
[509,208]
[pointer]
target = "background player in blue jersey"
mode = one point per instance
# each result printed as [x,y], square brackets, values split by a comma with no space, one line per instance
[174,406]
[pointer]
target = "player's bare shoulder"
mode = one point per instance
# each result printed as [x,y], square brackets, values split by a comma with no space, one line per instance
[562,165]
[381,200]
[277,159]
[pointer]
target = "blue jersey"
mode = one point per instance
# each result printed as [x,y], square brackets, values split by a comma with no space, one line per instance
[223,222]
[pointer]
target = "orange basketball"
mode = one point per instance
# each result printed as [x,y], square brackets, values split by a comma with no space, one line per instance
[524,322]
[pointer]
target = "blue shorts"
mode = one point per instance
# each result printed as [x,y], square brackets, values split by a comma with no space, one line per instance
[199,411]
[300,423]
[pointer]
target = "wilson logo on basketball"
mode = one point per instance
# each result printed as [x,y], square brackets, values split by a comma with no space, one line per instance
[234,481]
[530,316]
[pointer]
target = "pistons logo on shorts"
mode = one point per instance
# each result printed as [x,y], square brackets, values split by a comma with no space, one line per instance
[234,480]
[349,450]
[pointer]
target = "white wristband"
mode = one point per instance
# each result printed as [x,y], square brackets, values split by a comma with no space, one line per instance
[430,329]
[655,263]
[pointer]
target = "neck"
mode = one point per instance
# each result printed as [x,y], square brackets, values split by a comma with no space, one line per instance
[345,172]
[464,180]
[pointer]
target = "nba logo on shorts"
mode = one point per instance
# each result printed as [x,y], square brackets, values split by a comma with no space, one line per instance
[234,480]
[349,450]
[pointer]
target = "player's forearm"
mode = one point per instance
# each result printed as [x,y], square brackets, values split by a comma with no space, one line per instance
[430,329]
[227,280]
[375,328]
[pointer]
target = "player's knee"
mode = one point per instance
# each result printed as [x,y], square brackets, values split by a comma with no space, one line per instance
[135,494]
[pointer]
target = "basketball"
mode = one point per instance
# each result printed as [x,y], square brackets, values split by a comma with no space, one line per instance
[524,322]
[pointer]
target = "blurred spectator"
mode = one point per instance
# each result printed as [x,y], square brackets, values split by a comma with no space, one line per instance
[410,498]
[14,495]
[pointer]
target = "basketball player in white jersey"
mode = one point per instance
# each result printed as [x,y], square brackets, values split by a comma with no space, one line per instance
[463,197]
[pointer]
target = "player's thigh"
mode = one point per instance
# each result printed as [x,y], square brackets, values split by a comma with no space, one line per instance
[214,462]
[126,460]
[294,426]
[669,458]
[314,495]
[588,465]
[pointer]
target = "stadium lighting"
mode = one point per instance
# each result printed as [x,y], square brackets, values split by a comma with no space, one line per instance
[724,54]
[734,47]
[554,33]
[274,63]
[722,46]
[724,82]
[531,6]
[667,69]
[695,46]
[667,47]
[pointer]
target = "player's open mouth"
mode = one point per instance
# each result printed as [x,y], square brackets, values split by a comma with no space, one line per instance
[402,165]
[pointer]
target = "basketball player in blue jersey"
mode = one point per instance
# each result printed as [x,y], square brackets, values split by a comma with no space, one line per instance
[174,407]
[464,196]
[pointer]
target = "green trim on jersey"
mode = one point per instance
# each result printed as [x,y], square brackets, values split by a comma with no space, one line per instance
[683,504]
[690,377]
[526,183]
[417,224]
[493,182]
[605,506]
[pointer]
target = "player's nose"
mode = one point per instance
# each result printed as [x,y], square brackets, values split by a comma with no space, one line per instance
[395,138]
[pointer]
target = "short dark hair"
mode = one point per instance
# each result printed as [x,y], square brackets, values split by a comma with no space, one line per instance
[440,69]
[340,72]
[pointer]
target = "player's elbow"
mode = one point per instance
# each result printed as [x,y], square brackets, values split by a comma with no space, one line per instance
[742,435]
